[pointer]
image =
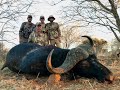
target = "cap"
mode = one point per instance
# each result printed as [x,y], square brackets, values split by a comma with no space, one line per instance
[38,24]
[42,17]
[29,16]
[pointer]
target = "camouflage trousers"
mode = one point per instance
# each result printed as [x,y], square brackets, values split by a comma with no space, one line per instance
[45,43]
[55,42]
[23,40]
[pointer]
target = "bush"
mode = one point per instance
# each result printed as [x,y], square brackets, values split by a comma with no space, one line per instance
[3,52]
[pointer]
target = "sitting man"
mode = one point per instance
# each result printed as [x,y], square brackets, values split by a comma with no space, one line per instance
[38,36]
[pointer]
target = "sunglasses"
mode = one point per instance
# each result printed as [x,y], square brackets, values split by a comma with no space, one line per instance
[42,18]
[39,25]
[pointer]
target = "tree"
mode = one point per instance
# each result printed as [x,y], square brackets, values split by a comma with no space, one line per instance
[70,36]
[115,45]
[10,12]
[95,12]
[115,48]
[98,44]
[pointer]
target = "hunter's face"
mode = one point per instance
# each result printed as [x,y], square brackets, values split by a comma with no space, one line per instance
[51,19]
[42,19]
[29,19]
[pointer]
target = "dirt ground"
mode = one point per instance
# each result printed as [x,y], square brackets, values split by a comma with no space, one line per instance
[12,81]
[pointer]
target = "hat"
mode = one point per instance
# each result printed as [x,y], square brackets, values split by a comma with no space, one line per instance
[51,16]
[38,24]
[42,17]
[29,16]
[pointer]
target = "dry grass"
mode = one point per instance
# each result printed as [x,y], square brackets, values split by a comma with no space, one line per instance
[12,81]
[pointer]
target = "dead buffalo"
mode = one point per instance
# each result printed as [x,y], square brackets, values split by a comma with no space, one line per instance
[15,55]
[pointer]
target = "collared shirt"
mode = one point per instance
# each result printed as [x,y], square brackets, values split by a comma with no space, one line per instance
[53,30]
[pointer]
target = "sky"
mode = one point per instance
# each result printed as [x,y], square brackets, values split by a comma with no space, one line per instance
[45,8]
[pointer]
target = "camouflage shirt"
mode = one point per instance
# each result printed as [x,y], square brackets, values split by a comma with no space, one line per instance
[40,38]
[43,27]
[26,29]
[53,30]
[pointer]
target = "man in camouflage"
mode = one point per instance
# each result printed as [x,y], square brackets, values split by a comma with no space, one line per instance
[26,29]
[38,36]
[53,30]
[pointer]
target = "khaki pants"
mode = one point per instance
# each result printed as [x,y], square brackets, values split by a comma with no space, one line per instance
[55,42]
[46,41]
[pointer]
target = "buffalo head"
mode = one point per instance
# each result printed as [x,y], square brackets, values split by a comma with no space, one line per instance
[82,61]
